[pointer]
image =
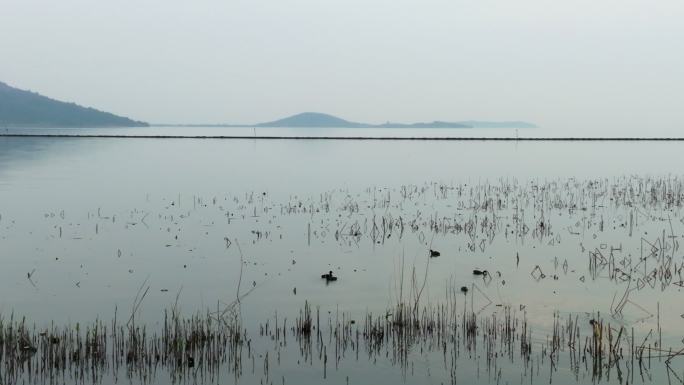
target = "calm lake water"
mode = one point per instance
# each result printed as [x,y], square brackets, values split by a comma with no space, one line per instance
[585,231]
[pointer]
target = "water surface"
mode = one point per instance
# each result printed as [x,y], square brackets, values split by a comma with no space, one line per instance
[86,221]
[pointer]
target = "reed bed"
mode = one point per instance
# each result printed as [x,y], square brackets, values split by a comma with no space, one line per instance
[498,343]
[203,347]
[186,349]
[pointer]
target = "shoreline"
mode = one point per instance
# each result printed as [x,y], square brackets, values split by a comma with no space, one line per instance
[281,137]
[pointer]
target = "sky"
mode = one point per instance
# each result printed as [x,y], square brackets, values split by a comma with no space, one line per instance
[617,65]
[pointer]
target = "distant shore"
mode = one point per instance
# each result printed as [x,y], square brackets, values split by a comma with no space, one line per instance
[279,137]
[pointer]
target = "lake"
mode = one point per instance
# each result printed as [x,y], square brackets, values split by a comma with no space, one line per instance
[558,261]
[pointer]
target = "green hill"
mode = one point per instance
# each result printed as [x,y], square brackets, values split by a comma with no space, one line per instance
[25,109]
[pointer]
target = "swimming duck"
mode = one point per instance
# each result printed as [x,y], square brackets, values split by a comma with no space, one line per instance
[464,289]
[480,272]
[434,253]
[329,276]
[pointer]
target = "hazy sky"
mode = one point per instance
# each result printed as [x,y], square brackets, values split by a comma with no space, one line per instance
[614,63]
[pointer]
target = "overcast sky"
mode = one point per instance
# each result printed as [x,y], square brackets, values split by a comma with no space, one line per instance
[561,64]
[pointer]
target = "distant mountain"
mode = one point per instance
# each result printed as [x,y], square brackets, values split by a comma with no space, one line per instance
[25,109]
[317,119]
[312,119]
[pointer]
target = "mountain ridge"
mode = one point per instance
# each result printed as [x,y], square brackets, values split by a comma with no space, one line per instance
[322,120]
[27,109]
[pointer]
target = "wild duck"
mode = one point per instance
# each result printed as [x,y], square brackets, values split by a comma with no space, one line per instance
[329,276]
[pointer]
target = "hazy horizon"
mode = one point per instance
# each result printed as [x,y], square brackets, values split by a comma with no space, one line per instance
[559,65]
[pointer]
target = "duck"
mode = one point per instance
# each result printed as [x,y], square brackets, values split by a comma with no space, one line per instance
[597,328]
[434,253]
[464,289]
[480,272]
[329,276]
